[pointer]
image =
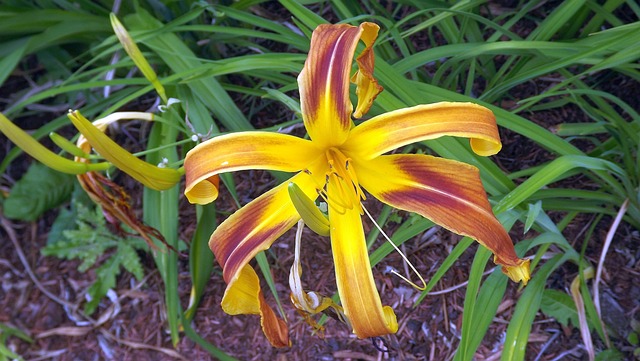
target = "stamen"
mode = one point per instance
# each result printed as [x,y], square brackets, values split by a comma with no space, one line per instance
[404,257]
[356,183]
[299,298]
[325,197]
[343,181]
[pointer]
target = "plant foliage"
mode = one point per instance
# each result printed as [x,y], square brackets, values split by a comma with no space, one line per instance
[38,191]
[89,243]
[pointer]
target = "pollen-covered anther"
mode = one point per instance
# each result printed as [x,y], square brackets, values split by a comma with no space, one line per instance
[341,182]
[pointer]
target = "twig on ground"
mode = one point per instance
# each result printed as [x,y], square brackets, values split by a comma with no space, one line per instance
[7,226]
[95,325]
[544,347]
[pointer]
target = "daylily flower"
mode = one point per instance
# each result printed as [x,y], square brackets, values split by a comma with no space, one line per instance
[338,163]
[110,196]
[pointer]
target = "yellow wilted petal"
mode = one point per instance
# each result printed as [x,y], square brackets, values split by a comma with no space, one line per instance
[244,296]
[519,272]
[367,87]
[136,55]
[32,147]
[150,175]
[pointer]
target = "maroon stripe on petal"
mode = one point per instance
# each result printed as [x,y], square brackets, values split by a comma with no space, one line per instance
[251,246]
[250,230]
[462,181]
[447,192]
[327,71]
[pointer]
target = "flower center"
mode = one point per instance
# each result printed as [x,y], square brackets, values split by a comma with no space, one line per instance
[341,189]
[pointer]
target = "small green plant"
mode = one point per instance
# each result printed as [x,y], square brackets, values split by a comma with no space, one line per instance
[89,242]
[5,332]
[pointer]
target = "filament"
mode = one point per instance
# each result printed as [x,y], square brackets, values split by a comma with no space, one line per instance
[404,257]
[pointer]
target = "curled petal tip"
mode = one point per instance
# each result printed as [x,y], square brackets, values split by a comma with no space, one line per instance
[274,328]
[203,192]
[367,87]
[518,272]
[244,296]
[390,318]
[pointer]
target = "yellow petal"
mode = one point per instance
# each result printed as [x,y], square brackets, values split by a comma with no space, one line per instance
[447,192]
[254,227]
[404,126]
[248,231]
[150,175]
[246,298]
[324,83]
[358,294]
[242,151]
[519,272]
[367,87]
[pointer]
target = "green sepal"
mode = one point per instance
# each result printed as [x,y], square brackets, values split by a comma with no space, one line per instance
[308,211]
[67,146]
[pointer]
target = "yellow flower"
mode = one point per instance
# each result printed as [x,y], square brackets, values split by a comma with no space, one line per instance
[339,162]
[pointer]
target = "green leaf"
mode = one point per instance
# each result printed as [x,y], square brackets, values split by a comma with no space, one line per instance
[12,331]
[532,215]
[200,256]
[8,63]
[610,355]
[128,258]
[526,309]
[105,280]
[87,243]
[559,305]
[38,191]
[161,212]
[479,311]
[66,219]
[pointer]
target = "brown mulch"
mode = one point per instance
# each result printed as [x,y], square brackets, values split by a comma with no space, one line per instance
[138,330]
